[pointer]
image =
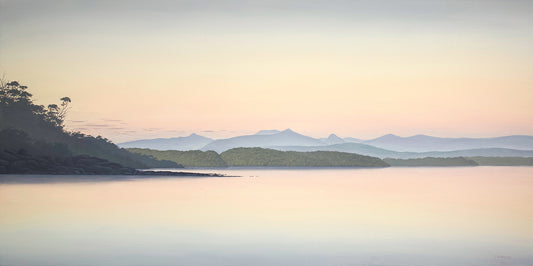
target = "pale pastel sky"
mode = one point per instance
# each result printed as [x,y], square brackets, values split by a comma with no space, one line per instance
[143,69]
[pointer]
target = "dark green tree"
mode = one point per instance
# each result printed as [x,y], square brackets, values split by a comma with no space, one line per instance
[15,100]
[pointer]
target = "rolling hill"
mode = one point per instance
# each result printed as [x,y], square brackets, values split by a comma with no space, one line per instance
[270,157]
[193,158]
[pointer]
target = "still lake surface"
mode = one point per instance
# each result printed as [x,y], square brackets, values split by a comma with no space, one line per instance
[391,216]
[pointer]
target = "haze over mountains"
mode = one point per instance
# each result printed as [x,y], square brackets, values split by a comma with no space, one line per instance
[423,143]
[191,142]
[387,146]
[333,139]
[369,150]
[267,132]
[260,139]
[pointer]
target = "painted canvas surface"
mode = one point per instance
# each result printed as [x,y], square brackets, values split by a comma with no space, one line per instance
[266,132]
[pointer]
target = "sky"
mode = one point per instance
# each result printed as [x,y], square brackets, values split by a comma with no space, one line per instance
[146,69]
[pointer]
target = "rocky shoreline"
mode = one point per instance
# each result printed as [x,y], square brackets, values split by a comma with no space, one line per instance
[23,163]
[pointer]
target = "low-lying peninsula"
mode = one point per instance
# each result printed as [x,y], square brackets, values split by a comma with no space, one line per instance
[462,161]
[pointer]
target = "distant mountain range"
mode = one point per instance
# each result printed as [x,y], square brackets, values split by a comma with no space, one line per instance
[191,142]
[423,143]
[369,150]
[388,146]
[283,138]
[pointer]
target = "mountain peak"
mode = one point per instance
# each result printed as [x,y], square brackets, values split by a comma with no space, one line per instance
[333,136]
[333,139]
[196,136]
[284,138]
[288,131]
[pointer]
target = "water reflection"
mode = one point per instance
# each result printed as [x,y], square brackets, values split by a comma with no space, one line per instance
[393,216]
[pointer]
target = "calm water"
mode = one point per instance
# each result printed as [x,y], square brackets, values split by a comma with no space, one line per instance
[394,216]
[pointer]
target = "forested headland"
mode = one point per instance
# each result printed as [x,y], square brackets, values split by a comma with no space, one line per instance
[33,140]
